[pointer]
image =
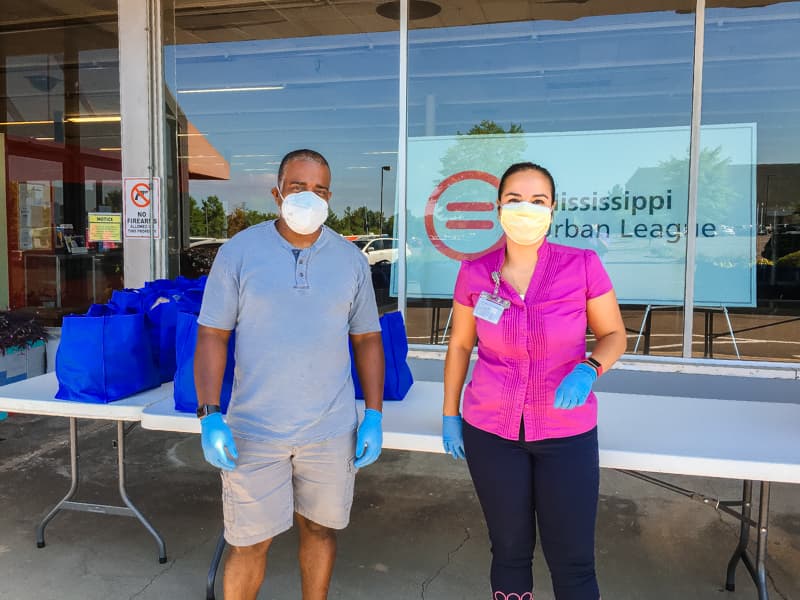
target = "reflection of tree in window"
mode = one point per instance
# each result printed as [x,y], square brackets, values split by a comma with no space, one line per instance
[242,218]
[207,219]
[358,222]
[716,197]
[113,199]
[500,149]
[493,158]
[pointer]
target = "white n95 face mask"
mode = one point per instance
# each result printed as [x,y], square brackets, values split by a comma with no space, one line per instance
[525,223]
[304,212]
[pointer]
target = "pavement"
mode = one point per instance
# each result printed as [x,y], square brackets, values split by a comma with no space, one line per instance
[416,530]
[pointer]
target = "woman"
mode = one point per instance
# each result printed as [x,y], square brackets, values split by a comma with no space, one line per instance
[529,430]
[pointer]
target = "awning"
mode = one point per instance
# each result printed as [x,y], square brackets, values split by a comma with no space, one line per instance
[204,161]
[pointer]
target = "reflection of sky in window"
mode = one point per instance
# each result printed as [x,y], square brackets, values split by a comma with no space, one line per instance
[339,96]
[752,74]
[596,73]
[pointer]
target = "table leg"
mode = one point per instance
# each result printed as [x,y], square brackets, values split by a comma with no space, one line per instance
[758,571]
[162,550]
[214,566]
[744,536]
[73,463]
[129,510]
[761,546]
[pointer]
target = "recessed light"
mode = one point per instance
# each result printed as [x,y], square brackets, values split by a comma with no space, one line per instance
[417,9]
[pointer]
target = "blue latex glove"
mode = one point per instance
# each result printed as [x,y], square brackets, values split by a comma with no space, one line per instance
[452,437]
[575,387]
[216,437]
[369,439]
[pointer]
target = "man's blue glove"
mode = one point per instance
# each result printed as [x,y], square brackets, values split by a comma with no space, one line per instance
[575,387]
[452,437]
[216,437]
[369,439]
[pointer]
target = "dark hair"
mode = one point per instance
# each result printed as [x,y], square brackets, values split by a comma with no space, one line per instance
[302,154]
[526,166]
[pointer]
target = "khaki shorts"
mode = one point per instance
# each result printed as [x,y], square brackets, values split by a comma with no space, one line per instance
[273,480]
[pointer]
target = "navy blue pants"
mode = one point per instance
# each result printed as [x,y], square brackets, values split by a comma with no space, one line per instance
[553,482]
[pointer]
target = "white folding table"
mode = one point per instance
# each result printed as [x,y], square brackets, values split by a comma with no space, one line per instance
[36,396]
[707,437]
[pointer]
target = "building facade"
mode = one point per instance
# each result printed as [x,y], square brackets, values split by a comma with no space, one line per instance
[136,136]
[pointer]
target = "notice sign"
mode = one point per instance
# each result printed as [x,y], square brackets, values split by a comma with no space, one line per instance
[142,207]
[105,227]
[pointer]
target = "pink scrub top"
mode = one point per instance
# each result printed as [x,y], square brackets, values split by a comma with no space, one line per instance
[537,342]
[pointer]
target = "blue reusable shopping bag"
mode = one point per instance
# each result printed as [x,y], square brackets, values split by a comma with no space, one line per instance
[185,394]
[127,301]
[157,300]
[191,301]
[104,356]
[185,283]
[158,285]
[161,319]
[398,379]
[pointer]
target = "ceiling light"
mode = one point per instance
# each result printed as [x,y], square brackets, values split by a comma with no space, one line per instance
[259,88]
[110,149]
[44,139]
[417,9]
[26,123]
[106,119]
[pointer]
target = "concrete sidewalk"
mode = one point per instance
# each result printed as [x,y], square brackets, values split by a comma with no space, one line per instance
[416,531]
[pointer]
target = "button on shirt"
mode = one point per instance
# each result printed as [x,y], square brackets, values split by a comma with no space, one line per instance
[293,310]
[537,342]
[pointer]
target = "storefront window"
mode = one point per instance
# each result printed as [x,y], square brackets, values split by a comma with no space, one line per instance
[602,101]
[749,184]
[60,193]
[254,83]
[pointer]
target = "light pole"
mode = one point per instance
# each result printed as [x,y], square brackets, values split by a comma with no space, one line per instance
[383,168]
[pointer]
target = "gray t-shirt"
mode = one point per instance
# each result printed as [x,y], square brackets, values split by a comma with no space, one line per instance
[292,310]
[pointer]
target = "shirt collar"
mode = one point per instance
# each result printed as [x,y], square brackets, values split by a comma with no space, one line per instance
[500,255]
[324,236]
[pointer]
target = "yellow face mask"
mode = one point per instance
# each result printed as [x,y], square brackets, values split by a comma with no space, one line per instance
[525,223]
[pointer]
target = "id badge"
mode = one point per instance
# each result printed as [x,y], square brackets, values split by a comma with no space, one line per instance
[490,307]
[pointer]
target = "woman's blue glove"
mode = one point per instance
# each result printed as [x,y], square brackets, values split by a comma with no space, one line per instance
[575,387]
[452,437]
[216,437]
[369,439]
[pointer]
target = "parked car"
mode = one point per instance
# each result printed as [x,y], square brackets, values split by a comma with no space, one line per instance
[379,249]
[781,244]
[206,241]
[196,260]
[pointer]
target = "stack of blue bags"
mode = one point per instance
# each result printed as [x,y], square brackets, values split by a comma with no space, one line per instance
[147,336]
[142,338]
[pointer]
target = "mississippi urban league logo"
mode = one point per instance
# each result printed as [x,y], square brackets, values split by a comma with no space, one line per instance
[473,206]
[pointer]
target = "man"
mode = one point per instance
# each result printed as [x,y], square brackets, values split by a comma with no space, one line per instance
[293,291]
